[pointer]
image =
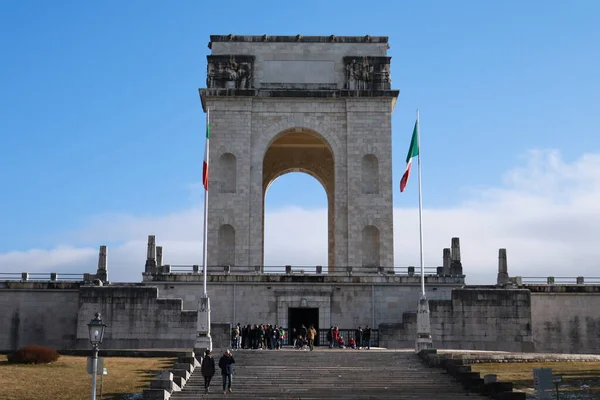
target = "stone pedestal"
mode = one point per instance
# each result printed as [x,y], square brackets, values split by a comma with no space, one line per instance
[102,272]
[502,268]
[159,256]
[423,340]
[151,255]
[447,261]
[456,264]
[203,339]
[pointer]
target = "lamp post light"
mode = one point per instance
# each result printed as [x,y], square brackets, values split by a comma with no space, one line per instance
[96,329]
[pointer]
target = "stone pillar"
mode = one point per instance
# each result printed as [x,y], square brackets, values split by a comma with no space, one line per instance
[203,338]
[159,258]
[102,272]
[151,255]
[455,265]
[423,340]
[447,261]
[502,268]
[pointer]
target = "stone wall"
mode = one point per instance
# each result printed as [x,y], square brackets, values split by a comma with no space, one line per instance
[548,318]
[474,319]
[266,299]
[37,313]
[566,321]
[136,318]
[57,314]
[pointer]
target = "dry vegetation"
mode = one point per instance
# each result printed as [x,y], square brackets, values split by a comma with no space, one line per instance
[576,375]
[66,379]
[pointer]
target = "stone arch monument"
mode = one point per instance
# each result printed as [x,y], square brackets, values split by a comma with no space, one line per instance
[315,104]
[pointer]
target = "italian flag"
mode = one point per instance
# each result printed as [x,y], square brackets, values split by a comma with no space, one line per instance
[205,165]
[413,151]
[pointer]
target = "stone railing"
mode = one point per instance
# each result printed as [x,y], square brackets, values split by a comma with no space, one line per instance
[471,381]
[172,380]
[554,280]
[41,276]
[308,270]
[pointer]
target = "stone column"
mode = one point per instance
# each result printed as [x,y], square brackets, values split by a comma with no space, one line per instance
[102,272]
[502,268]
[423,340]
[447,261]
[159,258]
[151,255]
[455,265]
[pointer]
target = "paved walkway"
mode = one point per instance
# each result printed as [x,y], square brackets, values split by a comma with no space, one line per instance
[328,374]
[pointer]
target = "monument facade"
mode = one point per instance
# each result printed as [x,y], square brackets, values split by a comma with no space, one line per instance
[315,104]
[321,105]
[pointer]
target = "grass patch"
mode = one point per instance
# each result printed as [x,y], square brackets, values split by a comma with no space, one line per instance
[575,375]
[66,379]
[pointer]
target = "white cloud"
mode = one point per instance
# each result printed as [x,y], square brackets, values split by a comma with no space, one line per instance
[545,212]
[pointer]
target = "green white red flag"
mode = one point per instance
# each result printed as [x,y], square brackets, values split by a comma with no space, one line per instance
[413,151]
[205,165]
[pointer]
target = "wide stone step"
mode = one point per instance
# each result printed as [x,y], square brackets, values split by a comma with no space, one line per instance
[328,374]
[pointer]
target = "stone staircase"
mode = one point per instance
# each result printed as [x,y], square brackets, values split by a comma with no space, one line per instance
[328,374]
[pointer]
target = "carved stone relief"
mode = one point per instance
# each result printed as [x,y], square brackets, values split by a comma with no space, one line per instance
[368,73]
[230,72]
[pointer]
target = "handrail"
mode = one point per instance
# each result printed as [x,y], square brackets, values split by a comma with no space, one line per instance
[556,280]
[297,269]
[41,276]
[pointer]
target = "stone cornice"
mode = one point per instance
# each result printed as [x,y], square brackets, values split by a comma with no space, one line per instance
[298,38]
[296,93]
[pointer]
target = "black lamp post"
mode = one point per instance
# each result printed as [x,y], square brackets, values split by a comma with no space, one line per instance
[96,329]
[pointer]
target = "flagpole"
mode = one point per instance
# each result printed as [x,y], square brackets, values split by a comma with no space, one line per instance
[420,209]
[204,244]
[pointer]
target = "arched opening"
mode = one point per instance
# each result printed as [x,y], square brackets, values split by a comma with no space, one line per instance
[295,231]
[228,173]
[226,245]
[370,246]
[300,150]
[370,174]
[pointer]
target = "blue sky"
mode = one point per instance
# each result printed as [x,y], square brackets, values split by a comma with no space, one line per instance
[100,115]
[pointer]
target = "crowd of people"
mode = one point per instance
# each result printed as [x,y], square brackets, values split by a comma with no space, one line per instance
[272,337]
[259,336]
[360,340]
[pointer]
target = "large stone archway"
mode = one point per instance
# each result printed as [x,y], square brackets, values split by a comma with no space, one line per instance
[313,104]
[303,150]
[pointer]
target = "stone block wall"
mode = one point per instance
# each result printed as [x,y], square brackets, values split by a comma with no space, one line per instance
[221,335]
[249,299]
[566,322]
[474,319]
[35,313]
[560,319]
[136,318]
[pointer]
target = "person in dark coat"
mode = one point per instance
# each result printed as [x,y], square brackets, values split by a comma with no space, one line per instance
[226,364]
[207,369]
